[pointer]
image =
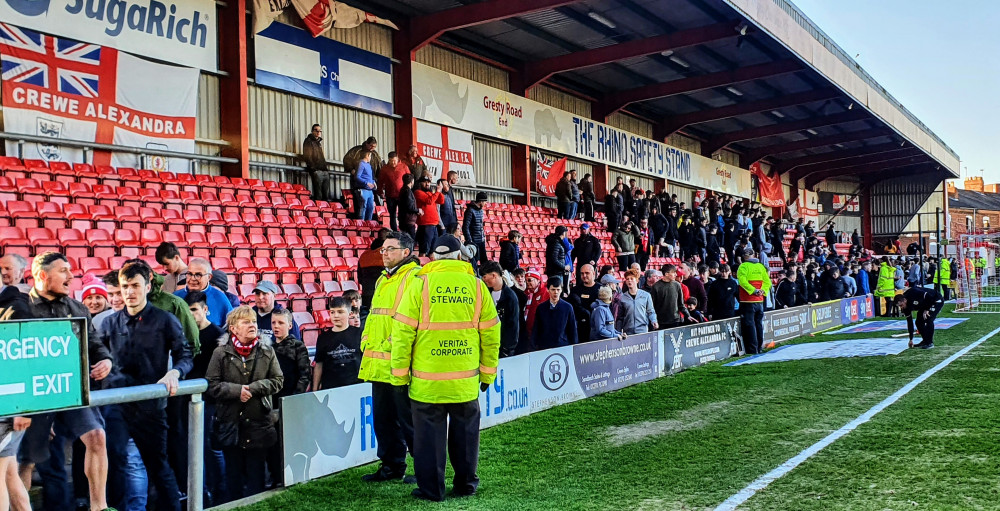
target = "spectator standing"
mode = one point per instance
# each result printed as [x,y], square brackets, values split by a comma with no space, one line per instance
[624,243]
[473,229]
[507,307]
[564,197]
[668,298]
[722,295]
[94,295]
[428,200]
[915,277]
[613,209]
[555,322]
[49,298]
[696,286]
[390,181]
[114,299]
[169,258]
[199,279]
[352,163]
[338,350]
[574,194]
[581,297]
[713,252]
[588,197]
[12,267]
[694,315]
[144,340]
[602,322]
[644,244]
[243,375]
[786,294]
[510,252]
[265,306]
[831,236]
[856,239]
[220,281]
[449,210]
[364,180]
[293,359]
[408,210]
[312,155]
[755,284]
[586,248]
[555,253]
[636,314]
[536,294]
[415,164]
[849,281]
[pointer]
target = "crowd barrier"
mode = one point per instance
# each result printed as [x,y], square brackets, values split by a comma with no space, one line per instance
[331,430]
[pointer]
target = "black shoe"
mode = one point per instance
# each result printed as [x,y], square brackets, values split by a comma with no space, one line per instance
[924,345]
[410,479]
[466,492]
[423,496]
[381,475]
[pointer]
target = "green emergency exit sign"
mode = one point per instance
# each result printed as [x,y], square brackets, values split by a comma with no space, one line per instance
[43,366]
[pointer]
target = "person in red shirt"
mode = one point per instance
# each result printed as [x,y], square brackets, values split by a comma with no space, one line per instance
[427,200]
[537,295]
[390,180]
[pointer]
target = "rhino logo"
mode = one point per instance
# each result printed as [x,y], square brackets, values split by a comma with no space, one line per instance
[49,128]
[310,432]
[440,90]
[546,127]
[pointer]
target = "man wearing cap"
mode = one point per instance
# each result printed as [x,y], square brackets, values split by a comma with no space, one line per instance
[445,346]
[615,285]
[392,419]
[265,306]
[427,219]
[754,280]
[472,227]
[586,249]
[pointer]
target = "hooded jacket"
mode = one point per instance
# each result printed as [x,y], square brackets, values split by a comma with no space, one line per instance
[555,255]
[472,224]
[14,304]
[510,255]
[602,322]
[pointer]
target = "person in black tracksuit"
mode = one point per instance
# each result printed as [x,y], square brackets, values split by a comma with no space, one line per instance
[927,303]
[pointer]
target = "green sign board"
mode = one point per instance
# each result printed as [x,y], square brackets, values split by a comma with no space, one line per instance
[43,366]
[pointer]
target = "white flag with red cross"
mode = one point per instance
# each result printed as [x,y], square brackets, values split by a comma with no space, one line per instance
[446,149]
[65,89]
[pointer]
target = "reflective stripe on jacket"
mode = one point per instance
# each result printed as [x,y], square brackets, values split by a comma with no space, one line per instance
[886,281]
[446,334]
[376,340]
[943,273]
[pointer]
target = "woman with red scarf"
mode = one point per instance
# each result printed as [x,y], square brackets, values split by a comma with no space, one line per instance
[242,376]
[643,246]
[536,296]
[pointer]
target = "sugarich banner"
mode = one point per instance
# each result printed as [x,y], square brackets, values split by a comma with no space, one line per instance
[180,31]
[446,150]
[548,173]
[289,59]
[451,100]
[65,89]
[317,15]
[772,194]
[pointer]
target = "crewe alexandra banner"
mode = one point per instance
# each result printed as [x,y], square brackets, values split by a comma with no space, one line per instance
[772,194]
[60,88]
[179,31]
[548,173]
[446,149]
[451,100]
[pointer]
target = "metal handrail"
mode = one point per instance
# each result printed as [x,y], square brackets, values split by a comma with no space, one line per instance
[86,145]
[196,424]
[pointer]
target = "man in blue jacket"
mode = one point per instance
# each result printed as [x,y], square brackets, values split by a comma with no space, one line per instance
[364,180]
[555,323]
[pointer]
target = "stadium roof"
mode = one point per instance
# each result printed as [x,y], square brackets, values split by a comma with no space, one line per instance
[754,76]
[968,199]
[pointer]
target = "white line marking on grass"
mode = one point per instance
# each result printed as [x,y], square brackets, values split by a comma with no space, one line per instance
[763,481]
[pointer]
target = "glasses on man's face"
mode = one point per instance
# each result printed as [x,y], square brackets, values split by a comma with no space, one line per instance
[385,250]
[197,275]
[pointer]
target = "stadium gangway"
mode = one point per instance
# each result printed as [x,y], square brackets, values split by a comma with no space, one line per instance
[143,152]
[196,424]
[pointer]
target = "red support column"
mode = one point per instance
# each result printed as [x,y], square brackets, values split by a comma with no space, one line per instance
[402,90]
[234,110]
[601,185]
[520,160]
[866,215]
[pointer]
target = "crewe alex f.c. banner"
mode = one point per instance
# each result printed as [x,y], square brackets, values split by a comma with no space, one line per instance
[446,150]
[61,88]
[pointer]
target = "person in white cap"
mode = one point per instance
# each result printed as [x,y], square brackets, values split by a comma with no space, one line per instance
[265,306]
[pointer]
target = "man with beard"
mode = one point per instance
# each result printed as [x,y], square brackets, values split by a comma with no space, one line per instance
[581,297]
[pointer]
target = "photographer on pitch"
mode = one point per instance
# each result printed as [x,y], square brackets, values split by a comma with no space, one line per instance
[927,303]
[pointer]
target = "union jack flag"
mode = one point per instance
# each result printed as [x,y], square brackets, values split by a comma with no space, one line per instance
[61,65]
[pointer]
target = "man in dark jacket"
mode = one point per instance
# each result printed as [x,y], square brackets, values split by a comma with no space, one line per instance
[145,340]
[510,252]
[265,305]
[312,154]
[787,293]
[563,196]
[14,304]
[473,229]
[555,322]
[927,303]
[834,288]
[613,209]
[668,298]
[555,253]
[586,250]
[582,297]
[722,295]
[507,307]
[831,235]
[408,209]
[448,213]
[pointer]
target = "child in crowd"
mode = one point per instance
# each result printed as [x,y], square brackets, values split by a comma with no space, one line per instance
[338,350]
[694,315]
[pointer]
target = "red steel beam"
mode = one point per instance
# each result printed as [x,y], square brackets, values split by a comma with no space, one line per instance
[426,28]
[718,142]
[678,122]
[535,72]
[760,153]
[614,102]
[785,165]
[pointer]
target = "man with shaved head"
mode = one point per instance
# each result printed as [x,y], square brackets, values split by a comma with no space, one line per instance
[199,278]
[582,297]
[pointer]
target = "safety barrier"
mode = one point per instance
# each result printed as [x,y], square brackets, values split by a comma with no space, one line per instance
[536,381]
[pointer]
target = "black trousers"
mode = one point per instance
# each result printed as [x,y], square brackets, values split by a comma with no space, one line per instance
[321,185]
[392,206]
[752,327]
[148,429]
[244,472]
[393,424]
[451,426]
[926,326]
[624,261]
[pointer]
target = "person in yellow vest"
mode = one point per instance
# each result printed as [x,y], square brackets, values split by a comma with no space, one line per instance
[754,280]
[392,419]
[446,346]
[885,288]
[996,265]
[979,263]
[942,278]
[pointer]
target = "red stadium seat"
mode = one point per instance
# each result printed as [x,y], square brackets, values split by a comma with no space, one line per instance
[51,215]
[103,217]
[13,239]
[43,240]
[95,265]
[128,243]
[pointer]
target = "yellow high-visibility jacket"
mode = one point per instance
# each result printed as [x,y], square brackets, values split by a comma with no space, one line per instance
[446,334]
[943,274]
[751,276]
[376,340]
[886,286]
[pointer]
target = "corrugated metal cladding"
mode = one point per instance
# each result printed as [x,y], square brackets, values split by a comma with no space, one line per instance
[367,36]
[631,124]
[207,124]
[896,200]
[492,163]
[686,143]
[935,201]
[561,100]
[844,223]
[728,157]
[279,122]
[463,66]
[684,194]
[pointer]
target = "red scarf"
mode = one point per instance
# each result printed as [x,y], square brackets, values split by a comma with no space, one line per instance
[244,351]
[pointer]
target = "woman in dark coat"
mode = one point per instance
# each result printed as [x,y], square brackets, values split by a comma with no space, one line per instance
[244,428]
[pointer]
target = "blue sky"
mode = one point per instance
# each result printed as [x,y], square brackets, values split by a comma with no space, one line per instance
[941,60]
